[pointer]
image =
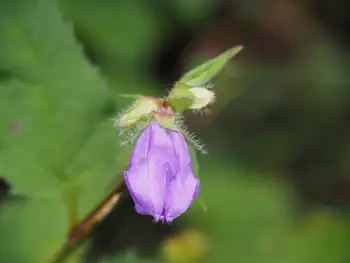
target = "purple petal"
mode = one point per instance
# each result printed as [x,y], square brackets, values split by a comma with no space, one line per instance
[153,136]
[160,177]
[140,150]
[181,150]
[147,183]
[161,136]
[182,191]
[180,195]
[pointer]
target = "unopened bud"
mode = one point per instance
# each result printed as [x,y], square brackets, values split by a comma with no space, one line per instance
[202,97]
[142,107]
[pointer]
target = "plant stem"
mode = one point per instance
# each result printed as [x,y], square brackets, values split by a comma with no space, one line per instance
[81,230]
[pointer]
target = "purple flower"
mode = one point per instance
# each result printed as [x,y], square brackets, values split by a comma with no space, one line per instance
[160,177]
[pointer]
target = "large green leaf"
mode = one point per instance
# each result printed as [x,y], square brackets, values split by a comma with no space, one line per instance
[56,134]
[121,31]
[32,231]
[53,127]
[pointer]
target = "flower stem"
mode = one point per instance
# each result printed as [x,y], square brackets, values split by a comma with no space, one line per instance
[80,231]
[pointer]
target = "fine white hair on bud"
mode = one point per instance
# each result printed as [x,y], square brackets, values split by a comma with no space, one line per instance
[176,122]
[194,140]
[135,131]
[202,112]
[189,136]
[132,120]
[203,96]
[179,120]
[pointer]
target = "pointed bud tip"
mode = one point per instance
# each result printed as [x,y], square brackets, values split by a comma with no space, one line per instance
[203,97]
[237,49]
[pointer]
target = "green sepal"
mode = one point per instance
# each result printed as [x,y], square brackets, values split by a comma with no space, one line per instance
[180,98]
[195,167]
[202,74]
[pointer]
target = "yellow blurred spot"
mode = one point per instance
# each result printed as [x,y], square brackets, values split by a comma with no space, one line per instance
[318,221]
[186,247]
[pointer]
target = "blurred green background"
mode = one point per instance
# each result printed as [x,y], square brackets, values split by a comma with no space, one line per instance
[276,182]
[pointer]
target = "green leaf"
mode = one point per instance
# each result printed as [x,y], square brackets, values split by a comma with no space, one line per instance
[103,27]
[55,99]
[32,231]
[202,74]
[56,134]
[130,96]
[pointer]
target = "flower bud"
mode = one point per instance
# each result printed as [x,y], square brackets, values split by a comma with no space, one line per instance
[166,118]
[142,107]
[202,97]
